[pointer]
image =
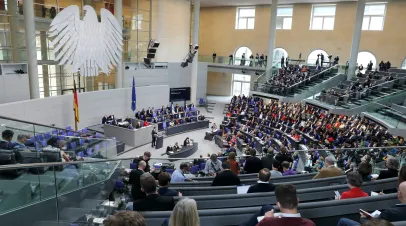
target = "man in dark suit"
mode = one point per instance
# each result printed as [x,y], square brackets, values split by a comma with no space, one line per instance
[7,137]
[134,180]
[146,157]
[163,181]
[153,201]
[154,135]
[392,164]
[283,156]
[149,112]
[263,184]
[268,160]
[253,163]
[226,177]
[104,119]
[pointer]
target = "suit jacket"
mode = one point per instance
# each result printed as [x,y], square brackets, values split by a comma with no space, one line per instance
[104,120]
[134,180]
[253,165]
[267,161]
[330,171]
[167,192]
[283,157]
[261,187]
[154,202]
[396,213]
[226,178]
[384,174]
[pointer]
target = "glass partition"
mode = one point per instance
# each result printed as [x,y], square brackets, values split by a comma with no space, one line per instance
[81,191]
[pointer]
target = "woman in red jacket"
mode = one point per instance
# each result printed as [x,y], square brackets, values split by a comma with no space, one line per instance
[354,181]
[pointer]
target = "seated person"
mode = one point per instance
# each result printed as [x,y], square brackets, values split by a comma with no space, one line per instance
[138,125]
[226,177]
[128,119]
[393,214]
[263,184]
[145,123]
[153,201]
[201,117]
[330,170]
[213,166]
[171,123]
[178,176]
[354,181]
[365,170]
[7,137]
[186,142]
[287,202]
[392,164]
[176,147]
[62,146]
[287,171]
[176,122]
[163,181]
[21,140]
[276,165]
[104,119]
[188,119]
[169,150]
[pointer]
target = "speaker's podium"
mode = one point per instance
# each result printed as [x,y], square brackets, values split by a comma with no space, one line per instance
[159,141]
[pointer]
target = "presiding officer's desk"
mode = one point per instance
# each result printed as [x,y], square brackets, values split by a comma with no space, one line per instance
[132,137]
[187,127]
[185,151]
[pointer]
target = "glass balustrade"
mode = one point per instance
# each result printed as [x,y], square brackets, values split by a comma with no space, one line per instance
[84,191]
[387,112]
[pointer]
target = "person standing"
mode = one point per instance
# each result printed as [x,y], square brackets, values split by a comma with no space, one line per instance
[154,134]
[214,57]
[253,163]
[251,60]
[321,60]
[261,60]
[230,61]
[283,61]
[134,180]
[242,60]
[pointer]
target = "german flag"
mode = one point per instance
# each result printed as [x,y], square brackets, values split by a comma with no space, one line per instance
[75,102]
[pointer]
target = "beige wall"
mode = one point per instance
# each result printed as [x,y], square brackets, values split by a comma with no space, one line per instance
[218,33]
[219,84]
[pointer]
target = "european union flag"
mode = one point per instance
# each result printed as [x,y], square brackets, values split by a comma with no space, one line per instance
[133,97]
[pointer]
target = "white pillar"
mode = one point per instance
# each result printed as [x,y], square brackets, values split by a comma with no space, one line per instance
[118,13]
[272,34]
[356,39]
[29,24]
[196,27]
[12,13]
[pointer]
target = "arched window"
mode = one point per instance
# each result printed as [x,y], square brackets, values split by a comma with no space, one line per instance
[312,58]
[403,66]
[238,55]
[364,58]
[278,53]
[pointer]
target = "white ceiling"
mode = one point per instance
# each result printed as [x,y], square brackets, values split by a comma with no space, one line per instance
[214,3]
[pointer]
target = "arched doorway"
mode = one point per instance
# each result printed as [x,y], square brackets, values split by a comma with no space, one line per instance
[238,54]
[364,58]
[277,55]
[312,58]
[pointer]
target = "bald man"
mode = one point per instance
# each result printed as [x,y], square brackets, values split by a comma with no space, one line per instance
[135,181]
[398,212]
[330,170]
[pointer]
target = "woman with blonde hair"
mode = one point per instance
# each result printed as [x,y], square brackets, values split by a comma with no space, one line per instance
[184,214]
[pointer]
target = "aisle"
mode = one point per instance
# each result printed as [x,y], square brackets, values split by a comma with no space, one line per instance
[205,147]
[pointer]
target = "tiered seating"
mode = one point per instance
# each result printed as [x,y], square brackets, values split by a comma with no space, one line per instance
[312,78]
[381,84]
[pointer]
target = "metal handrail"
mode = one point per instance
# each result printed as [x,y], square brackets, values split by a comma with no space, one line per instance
[256,80]
[31,165]
[313,76]
[352,92]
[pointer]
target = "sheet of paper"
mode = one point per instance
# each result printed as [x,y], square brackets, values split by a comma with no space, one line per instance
[374,193]
[98,220]
[242,189]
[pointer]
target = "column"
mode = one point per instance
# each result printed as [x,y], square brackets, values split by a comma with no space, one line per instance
[118,13]
[356,39]
[196,27]
[29,25]
[272,34]
[12,13]
[44,57]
